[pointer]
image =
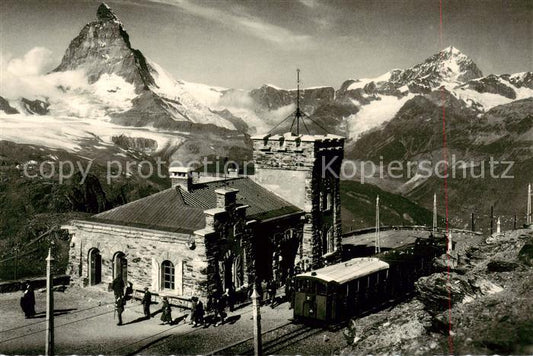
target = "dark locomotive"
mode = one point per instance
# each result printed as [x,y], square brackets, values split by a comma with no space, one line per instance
[338,292]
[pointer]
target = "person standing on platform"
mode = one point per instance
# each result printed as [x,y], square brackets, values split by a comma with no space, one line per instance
[220,306]
[118,287]
[289,292]
[199,314]
[230,299]
[194,306]
[119,307]
[146,302]
[27,301]
[271,290]
[166,312]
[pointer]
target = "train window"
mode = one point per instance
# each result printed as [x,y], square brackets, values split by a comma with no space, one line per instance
[321,289]
[298,285]
[308,286]
[354,286]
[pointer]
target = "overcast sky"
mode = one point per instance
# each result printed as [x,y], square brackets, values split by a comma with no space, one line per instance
[243,44]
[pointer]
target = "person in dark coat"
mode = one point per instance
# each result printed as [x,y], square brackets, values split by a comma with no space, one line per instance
[27,301]
[146,301]
[230,299]
[220,306]
[199,314]
[209,311]
[128,294]
[166,312]
[118,287]
[194,310]
[289,292]
[271,290]
[119,307]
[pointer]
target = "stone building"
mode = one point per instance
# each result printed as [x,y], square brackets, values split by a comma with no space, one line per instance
[206,234]
[305,170]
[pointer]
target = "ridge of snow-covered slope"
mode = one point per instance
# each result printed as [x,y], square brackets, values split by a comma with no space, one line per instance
[69,133]
[185,104]
[360,83]
[486,100]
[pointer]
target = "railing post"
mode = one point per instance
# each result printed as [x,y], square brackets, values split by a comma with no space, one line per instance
[258,347]
[49,351]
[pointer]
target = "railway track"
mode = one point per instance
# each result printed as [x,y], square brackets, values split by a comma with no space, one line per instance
[274,340]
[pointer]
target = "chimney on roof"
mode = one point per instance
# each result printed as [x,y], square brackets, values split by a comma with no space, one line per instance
[226,198]
[181,177]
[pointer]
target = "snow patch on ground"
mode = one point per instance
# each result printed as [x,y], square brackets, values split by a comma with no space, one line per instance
[486,100]
[68,133]
[205,94]
[375,114]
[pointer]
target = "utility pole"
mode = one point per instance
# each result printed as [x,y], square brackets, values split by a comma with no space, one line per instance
[473,223]
[449,244]
[514,222]
[298,113]
[256,312]
[434,214]
[491,219]
[528,217]
[49,306]
[16,262]
[377,243]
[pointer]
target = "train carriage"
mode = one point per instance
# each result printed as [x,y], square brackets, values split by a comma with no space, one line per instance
[333,293]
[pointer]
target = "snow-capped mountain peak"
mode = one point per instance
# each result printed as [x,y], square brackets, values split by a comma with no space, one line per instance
[103,49]
[449,66]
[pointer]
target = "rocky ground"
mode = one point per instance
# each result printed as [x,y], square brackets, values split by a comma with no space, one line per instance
[489,291]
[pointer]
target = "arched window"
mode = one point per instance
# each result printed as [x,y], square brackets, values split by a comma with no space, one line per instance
[95,266]
[328,241]
[168,273]
[331,241]
[120,266]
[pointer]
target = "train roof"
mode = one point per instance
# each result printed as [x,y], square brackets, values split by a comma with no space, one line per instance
[346,271]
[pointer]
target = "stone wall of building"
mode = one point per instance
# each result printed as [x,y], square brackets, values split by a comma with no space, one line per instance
[305,171]
[227,238]
[145,251]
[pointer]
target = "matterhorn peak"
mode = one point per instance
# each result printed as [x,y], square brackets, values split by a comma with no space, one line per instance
[103,47]
[104,13]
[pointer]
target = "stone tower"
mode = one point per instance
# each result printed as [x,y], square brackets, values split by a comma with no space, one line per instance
[305,171]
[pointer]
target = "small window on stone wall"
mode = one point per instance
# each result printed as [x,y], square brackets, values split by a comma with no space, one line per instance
[168,272]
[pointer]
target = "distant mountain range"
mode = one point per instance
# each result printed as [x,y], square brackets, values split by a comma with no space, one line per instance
[107,97]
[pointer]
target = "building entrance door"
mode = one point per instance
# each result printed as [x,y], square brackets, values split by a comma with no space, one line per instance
[95,267]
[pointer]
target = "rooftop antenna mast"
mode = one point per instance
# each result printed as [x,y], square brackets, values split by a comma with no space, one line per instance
[298,115]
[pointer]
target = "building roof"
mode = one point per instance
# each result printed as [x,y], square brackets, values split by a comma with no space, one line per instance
[177,210]
[347,271]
